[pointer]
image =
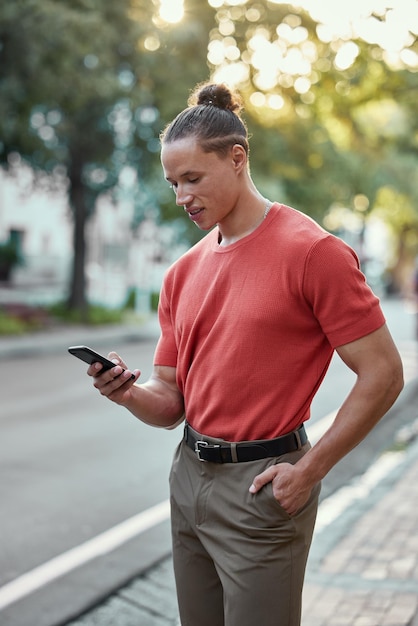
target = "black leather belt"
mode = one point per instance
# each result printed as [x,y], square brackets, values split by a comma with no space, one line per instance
[220,451]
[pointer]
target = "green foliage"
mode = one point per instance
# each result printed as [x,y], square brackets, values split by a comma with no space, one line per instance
[81,90]
[16,319]
[11,325]
[336,131]
[98,315]
[84,84]
[21,319]
[94,315]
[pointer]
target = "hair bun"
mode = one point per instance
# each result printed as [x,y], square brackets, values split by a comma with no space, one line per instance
[218,95]
[212,118]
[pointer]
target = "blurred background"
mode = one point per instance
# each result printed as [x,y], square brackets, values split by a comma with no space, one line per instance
[87,223]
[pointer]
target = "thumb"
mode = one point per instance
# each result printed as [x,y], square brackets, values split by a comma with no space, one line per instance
[262,479]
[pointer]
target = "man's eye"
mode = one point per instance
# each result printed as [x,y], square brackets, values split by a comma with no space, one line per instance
[174,186]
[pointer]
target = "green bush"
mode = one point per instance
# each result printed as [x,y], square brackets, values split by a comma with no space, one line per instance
[95,314]
[18,318]
[100,315]
[10,325]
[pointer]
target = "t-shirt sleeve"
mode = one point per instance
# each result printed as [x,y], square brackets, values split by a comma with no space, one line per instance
[341,299]
[166,350]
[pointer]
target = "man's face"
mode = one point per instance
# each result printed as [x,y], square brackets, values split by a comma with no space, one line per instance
[206,184]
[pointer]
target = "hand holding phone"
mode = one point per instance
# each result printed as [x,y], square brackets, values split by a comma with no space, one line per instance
[89,356]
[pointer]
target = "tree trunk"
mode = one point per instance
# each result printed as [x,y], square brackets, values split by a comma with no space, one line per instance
[5,271]
[77,298]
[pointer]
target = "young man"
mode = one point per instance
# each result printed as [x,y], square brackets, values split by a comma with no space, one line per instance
[250,318]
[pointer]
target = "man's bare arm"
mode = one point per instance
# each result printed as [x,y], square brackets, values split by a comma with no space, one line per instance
[157,402]
[377,364]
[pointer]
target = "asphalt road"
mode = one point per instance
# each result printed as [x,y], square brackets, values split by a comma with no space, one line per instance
[74,465]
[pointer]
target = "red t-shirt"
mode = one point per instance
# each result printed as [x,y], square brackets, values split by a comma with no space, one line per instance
[251,327]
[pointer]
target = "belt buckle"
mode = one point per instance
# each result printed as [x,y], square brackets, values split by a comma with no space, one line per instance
[197,449]
[204,444]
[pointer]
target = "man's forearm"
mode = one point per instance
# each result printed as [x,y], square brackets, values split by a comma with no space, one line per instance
[156,403]
[362,410]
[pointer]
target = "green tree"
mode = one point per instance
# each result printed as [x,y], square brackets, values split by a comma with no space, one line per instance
[82,84]
[64,68]
[323,100]
[334,117]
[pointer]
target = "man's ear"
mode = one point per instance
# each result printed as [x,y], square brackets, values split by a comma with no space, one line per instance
[239,157]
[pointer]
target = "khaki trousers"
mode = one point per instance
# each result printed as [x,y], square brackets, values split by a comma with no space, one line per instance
[239,558]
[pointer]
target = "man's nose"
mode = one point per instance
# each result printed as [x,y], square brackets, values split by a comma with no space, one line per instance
[183,197]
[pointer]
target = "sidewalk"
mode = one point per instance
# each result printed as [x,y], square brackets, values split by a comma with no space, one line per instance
[363,566]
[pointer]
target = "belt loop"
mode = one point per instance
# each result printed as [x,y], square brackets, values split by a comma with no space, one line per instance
[234,455]
[298,440]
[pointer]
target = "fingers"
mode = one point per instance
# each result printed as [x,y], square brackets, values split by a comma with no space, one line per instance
[288,490]
[262,479]
[96,369]
[115,382]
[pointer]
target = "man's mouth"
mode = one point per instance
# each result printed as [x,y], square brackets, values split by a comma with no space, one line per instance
[195,212]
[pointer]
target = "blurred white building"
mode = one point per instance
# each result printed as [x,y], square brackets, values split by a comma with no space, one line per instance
[41,224]
[119,260]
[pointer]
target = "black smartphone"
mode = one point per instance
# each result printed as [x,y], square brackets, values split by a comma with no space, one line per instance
[90,356]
